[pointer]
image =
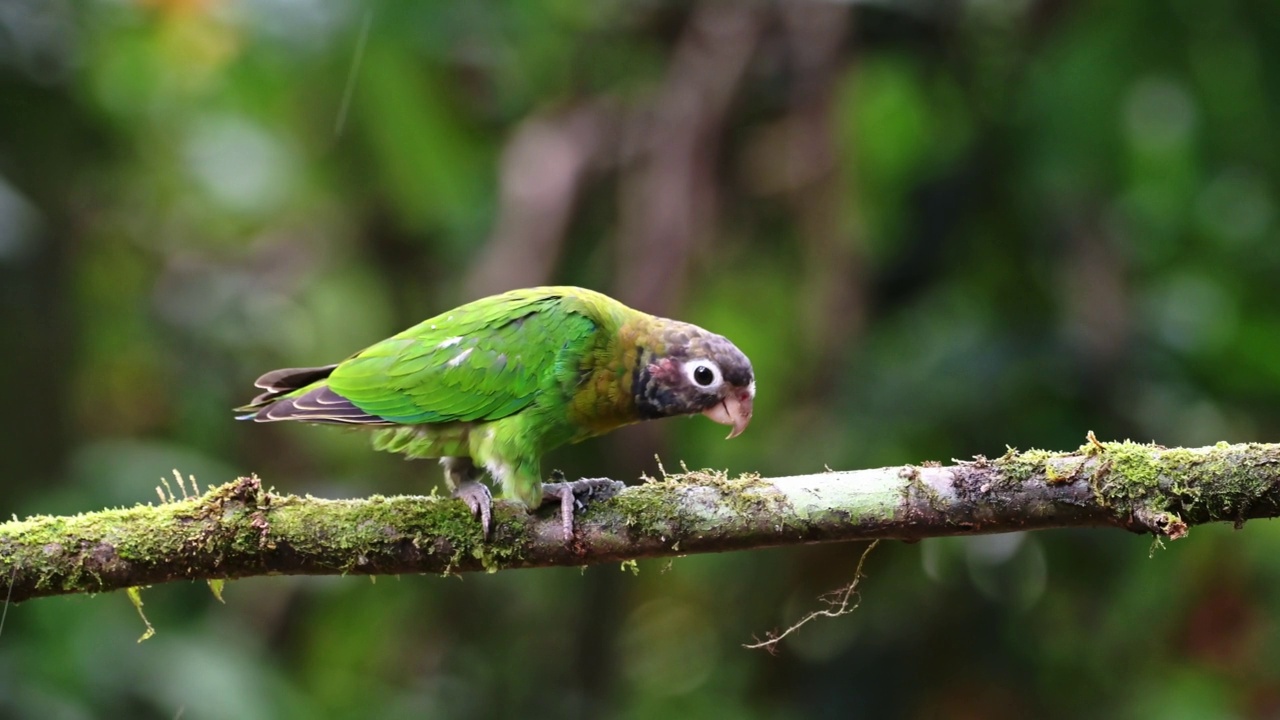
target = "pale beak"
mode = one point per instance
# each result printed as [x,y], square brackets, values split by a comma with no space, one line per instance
[734,410]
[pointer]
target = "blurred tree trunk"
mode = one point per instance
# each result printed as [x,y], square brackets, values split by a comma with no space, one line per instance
[41,133]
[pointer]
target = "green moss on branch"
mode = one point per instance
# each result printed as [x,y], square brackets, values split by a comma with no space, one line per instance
[241,529]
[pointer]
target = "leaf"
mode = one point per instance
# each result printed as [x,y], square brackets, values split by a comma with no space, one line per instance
[215,586]
[135,597]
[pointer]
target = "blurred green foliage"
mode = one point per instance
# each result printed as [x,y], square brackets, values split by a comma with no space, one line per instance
[937,228]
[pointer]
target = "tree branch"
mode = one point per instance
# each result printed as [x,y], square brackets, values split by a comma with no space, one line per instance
[240,529]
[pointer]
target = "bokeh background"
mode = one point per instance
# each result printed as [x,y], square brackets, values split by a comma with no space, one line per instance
[937,228]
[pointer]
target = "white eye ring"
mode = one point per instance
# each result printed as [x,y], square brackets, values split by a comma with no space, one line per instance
[695,371]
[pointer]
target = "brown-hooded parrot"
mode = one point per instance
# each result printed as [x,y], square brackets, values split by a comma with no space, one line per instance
[500,381]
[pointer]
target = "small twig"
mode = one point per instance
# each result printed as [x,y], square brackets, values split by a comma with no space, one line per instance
[837,604]
[9,596]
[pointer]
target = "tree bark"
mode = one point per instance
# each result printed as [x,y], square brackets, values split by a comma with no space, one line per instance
[240,529]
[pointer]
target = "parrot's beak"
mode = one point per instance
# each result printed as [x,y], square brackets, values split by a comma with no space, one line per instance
[734,409]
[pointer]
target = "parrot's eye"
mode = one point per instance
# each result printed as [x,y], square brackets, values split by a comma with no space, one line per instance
[703,373]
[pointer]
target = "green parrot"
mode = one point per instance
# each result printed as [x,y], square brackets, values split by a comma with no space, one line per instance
[500,381]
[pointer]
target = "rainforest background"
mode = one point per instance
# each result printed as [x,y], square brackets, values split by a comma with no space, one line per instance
[937,228]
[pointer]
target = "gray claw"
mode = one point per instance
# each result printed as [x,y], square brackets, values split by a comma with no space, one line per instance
[478,497]
[567,493]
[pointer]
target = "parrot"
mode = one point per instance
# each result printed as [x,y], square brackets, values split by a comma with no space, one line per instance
[496,383]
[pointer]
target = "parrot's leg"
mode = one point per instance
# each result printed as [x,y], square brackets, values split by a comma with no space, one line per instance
[567,492]
[460,475]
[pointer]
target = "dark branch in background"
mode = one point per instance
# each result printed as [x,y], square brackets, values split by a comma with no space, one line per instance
[825,203]
[544,166]
[668,184]
[240,529]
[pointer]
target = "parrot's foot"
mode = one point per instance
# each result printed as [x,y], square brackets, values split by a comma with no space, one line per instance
[567,493]
[477,497]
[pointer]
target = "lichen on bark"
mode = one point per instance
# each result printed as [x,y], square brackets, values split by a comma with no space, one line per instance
[240,528]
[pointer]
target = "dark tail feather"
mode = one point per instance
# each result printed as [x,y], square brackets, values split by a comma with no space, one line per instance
[318,405]
[279,383]
[290,379]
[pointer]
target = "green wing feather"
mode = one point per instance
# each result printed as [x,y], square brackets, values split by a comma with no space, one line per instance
[482,361]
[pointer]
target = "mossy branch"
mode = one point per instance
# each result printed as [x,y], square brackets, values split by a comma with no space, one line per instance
[240,529]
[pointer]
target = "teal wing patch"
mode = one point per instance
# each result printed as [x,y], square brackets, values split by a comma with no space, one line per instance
[482,361]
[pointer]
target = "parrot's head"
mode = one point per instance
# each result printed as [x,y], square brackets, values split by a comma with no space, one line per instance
[693,371]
